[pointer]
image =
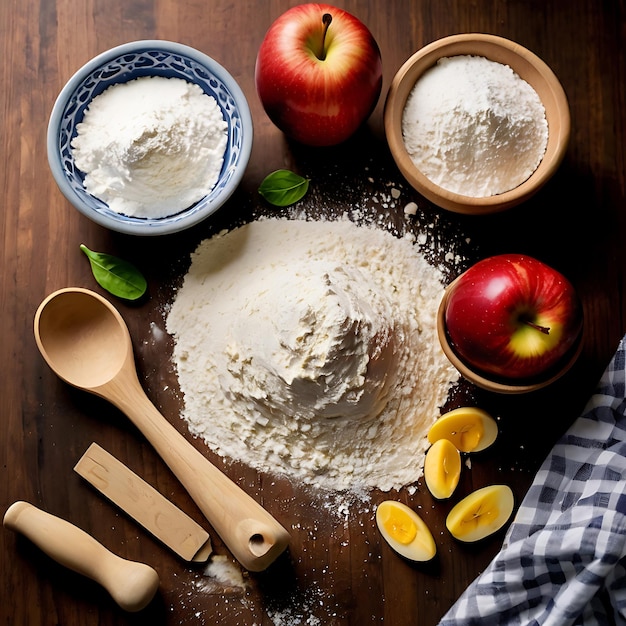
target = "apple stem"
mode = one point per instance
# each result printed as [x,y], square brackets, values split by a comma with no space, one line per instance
[542,329]
[327,18]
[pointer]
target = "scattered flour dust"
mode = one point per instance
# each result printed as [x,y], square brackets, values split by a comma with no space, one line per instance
[222,575]
[309,349]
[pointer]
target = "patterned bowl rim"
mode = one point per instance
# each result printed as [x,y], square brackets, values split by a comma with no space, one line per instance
[189,217]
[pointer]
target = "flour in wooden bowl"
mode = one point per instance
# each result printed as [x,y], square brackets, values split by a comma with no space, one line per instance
[474,127]
[309,349]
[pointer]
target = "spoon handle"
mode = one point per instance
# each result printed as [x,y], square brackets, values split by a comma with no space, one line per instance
[131,584]
[253,536]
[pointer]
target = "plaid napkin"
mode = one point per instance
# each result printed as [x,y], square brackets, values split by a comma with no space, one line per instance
[563,560]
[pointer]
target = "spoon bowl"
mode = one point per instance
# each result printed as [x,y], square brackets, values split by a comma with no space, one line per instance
[69,332]
[85,341]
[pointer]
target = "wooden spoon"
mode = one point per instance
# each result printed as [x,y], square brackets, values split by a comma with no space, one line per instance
[86,342]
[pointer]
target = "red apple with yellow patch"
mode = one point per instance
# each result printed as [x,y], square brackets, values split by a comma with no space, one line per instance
[318,74]
[512,316]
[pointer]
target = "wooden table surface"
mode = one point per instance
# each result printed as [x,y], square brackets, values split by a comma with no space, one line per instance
[337,569]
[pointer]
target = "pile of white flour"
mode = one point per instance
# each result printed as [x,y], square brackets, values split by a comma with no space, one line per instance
[309,348]
[474,127]
[151,147]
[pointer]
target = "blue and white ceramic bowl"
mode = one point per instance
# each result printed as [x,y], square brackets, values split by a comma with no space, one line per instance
[124,63]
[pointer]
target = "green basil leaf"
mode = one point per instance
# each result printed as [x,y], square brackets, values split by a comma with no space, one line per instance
[117,276]
[283,187]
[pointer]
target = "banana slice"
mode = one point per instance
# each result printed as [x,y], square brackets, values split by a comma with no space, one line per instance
[468,428]
[480,514]
[442,469]
[405,531]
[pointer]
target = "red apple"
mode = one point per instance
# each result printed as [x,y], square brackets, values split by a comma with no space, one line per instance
[318,74]
[513,316]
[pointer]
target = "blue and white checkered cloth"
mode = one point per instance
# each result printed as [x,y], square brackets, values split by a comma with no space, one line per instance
[563,560]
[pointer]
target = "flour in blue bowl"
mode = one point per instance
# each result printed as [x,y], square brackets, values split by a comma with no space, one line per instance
[151,147]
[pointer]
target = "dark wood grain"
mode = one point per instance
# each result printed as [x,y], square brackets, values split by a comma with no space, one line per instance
[337,570]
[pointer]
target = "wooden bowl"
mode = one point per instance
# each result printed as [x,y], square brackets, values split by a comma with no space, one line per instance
[500,385]
[529,67]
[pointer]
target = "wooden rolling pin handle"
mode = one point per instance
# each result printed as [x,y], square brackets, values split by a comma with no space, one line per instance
[131,584]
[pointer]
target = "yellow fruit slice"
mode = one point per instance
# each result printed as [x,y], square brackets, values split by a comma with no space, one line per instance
[405,531]
[442,469]
[481,513]
[468,428]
